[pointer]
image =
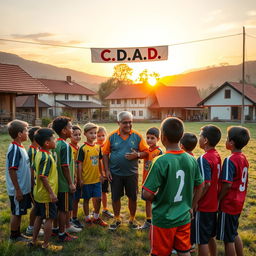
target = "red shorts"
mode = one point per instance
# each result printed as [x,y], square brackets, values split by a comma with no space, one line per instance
[164,240]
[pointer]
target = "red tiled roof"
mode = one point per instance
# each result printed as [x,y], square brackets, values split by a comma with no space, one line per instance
[249,91]
[28,102]
[176,97]
[13,79]
[130,91]
[62,86]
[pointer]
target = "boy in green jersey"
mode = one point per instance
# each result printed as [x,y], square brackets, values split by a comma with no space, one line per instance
[169,186]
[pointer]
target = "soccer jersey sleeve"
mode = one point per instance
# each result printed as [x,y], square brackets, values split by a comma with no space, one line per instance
[142,145]
[14,157]
[205,169]
[80,155]
[198,177]
[45,165]
[65,155]
[228,171]
[154,178]
[106,147]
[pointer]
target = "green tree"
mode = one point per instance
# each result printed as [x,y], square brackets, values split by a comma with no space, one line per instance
[106,88]
[144,76]
[122,73]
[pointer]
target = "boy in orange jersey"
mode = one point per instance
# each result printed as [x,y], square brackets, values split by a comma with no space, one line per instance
[152,137]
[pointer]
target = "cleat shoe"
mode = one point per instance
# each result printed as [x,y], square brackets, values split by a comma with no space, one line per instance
[100,222]
[146,225]
[52,248]
[72,236]
[88,221]
[20,238]
[29,231]
[66,237]
[133,224]
[73,229]
[115,224]
[174,252]
[76,223]
[107,214]
[55,232]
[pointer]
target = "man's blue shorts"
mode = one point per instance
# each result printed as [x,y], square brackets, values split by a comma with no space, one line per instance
[91,190]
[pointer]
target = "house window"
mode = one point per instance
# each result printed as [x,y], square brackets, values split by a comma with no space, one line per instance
[141,113]
[133,112]
[112,101]
[227,94]
[81,97]
[134,101]
[118,101]
[87,97]
[141,101]
[115,112]
[66,96]
[125,101]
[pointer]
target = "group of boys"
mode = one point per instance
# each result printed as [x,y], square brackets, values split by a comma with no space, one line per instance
[177,187]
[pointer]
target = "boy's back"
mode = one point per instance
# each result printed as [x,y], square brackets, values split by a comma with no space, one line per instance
[17,158]
[233,201]
[210,165]
[175,174]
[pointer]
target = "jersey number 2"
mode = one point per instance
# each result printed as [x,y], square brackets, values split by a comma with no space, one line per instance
[178,196]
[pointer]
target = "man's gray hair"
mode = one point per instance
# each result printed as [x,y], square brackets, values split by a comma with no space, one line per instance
[124,114]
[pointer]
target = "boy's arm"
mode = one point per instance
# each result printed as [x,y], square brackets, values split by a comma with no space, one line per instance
[79,174]
[225,187]
[66,173]
[148,196]
[198,190]
[45,182]
[106,167]
[13,176]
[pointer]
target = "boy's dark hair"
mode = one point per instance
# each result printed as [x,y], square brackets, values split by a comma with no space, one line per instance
[153,131]
[212,133]
[16,126]
[76,127]
[60,123]
[239,135]
[31,132]
[189,141]
[172,128]
[43,135]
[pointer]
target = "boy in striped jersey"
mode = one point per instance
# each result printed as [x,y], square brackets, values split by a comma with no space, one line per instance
[234,180]
[46,187]
[204,223]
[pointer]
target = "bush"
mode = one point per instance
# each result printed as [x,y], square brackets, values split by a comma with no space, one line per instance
[46,121]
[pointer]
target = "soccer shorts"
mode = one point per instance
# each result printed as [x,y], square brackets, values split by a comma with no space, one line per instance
[227,227]
[105,186]
[164,240]
[65,201]
[119,184]
[20,207]
[78,193]
[46,210]
[204,227]
[91,190]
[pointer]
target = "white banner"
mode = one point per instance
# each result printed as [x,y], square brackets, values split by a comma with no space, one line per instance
[121,55]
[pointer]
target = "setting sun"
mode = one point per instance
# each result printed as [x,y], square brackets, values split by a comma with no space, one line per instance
[152,81]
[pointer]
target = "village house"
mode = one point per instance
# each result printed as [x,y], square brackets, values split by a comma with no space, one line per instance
[14,81]
[225,102]
[156,103]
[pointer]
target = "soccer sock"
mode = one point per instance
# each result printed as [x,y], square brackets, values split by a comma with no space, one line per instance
[14,233]
[96,215]
[30,227]
[149,220]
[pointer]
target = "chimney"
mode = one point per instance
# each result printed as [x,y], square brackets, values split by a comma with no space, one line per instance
[69,79]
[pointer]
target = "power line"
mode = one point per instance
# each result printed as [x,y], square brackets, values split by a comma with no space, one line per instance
[252,36]
[82,47]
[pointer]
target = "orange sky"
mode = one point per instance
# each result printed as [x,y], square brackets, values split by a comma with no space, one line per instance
[132,23]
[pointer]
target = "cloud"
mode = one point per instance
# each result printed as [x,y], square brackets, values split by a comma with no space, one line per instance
[224,27]
[251,23]
[251,13]
[212,16]
[40,38]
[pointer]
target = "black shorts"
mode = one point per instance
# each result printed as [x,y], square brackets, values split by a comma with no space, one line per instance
[46,210]
[119,184]
[203,227]
[65,201]
[20,207]
[104,186]
[227,227]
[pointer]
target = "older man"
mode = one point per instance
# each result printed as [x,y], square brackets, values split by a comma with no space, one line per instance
[121,152]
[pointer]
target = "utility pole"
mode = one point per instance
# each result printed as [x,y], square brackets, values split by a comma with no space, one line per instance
[242,109]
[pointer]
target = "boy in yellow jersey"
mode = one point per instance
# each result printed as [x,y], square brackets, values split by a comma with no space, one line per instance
[74,140]
[90,174]
[46,187]
[152,137]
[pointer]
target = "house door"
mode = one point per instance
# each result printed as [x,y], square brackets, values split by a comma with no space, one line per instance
[234,113]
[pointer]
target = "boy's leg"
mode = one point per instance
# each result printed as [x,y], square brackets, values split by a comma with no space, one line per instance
[15,226]
[97,203]
[230,249]
[86,208]
[212,247]
[239,246]
[75,208]
[104,200]
[148,210]
[32,217]
[37,226]
[203,250]
[47,231]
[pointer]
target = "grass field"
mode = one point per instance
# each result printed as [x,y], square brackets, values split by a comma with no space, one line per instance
[99,241]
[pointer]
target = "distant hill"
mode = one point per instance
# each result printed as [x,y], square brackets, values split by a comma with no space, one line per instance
[214,76]
[40,70]
[202,78]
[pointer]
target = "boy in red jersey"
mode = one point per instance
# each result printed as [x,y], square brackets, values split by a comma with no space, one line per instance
[205,221]
[188,142]
[152,137]
[169,186]
[234,180]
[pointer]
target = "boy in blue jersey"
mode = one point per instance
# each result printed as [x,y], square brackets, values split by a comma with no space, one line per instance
[18,177]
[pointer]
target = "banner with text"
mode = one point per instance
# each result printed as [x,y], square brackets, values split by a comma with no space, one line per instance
[120,55]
